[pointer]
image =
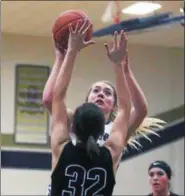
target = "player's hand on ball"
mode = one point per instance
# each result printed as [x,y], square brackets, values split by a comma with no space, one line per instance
[77,35]
[117,53]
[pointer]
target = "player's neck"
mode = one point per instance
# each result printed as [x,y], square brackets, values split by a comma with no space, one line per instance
[107,118]
[164,193]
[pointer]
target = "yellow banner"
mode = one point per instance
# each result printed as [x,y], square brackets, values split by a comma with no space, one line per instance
[31,118]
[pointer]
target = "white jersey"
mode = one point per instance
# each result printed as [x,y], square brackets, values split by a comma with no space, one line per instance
[106,134]
[101,140]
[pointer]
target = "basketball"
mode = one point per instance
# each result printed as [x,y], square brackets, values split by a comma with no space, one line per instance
[60,28]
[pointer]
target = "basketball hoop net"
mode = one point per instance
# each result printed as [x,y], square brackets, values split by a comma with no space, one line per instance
[109,15]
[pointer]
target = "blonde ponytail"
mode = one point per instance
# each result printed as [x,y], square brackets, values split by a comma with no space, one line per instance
[149,125]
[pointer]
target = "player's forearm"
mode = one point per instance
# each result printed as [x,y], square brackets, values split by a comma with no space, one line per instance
[136,93]
[64,75]
[48,89]
[123,94]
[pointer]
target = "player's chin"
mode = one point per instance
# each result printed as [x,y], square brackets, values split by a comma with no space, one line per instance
[102,107]
[156,187]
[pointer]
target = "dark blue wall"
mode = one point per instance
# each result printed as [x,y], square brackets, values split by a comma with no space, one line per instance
[42,160]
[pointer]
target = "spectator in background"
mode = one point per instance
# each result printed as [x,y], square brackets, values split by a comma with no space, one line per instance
[159,177]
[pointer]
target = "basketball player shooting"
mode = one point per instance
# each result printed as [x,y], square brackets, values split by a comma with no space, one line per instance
[85,168]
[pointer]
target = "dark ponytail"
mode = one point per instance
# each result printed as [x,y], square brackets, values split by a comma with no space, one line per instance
[88,125]
[92,147]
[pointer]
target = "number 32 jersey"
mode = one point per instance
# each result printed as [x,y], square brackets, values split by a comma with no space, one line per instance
[76,175]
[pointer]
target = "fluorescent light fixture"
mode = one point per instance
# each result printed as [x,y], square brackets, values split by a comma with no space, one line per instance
[141,8]
[181,10]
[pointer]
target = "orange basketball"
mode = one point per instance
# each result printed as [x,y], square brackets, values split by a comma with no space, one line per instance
[60,28]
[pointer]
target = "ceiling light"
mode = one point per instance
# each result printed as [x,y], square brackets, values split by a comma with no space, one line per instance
[141,8]
[181,10]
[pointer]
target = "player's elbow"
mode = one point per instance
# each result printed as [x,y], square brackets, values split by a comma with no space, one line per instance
[142,107]
[142,110]
[47,100]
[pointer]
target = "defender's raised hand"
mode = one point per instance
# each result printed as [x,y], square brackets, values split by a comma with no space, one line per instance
[119,49]
[77,35]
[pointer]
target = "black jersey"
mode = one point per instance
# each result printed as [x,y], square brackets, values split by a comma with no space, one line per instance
[76,175]
[171,194]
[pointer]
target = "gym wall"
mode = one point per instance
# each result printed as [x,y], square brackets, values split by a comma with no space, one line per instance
[159,71]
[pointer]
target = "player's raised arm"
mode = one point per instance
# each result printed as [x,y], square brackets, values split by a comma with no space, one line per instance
[117,138]
[59,133]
